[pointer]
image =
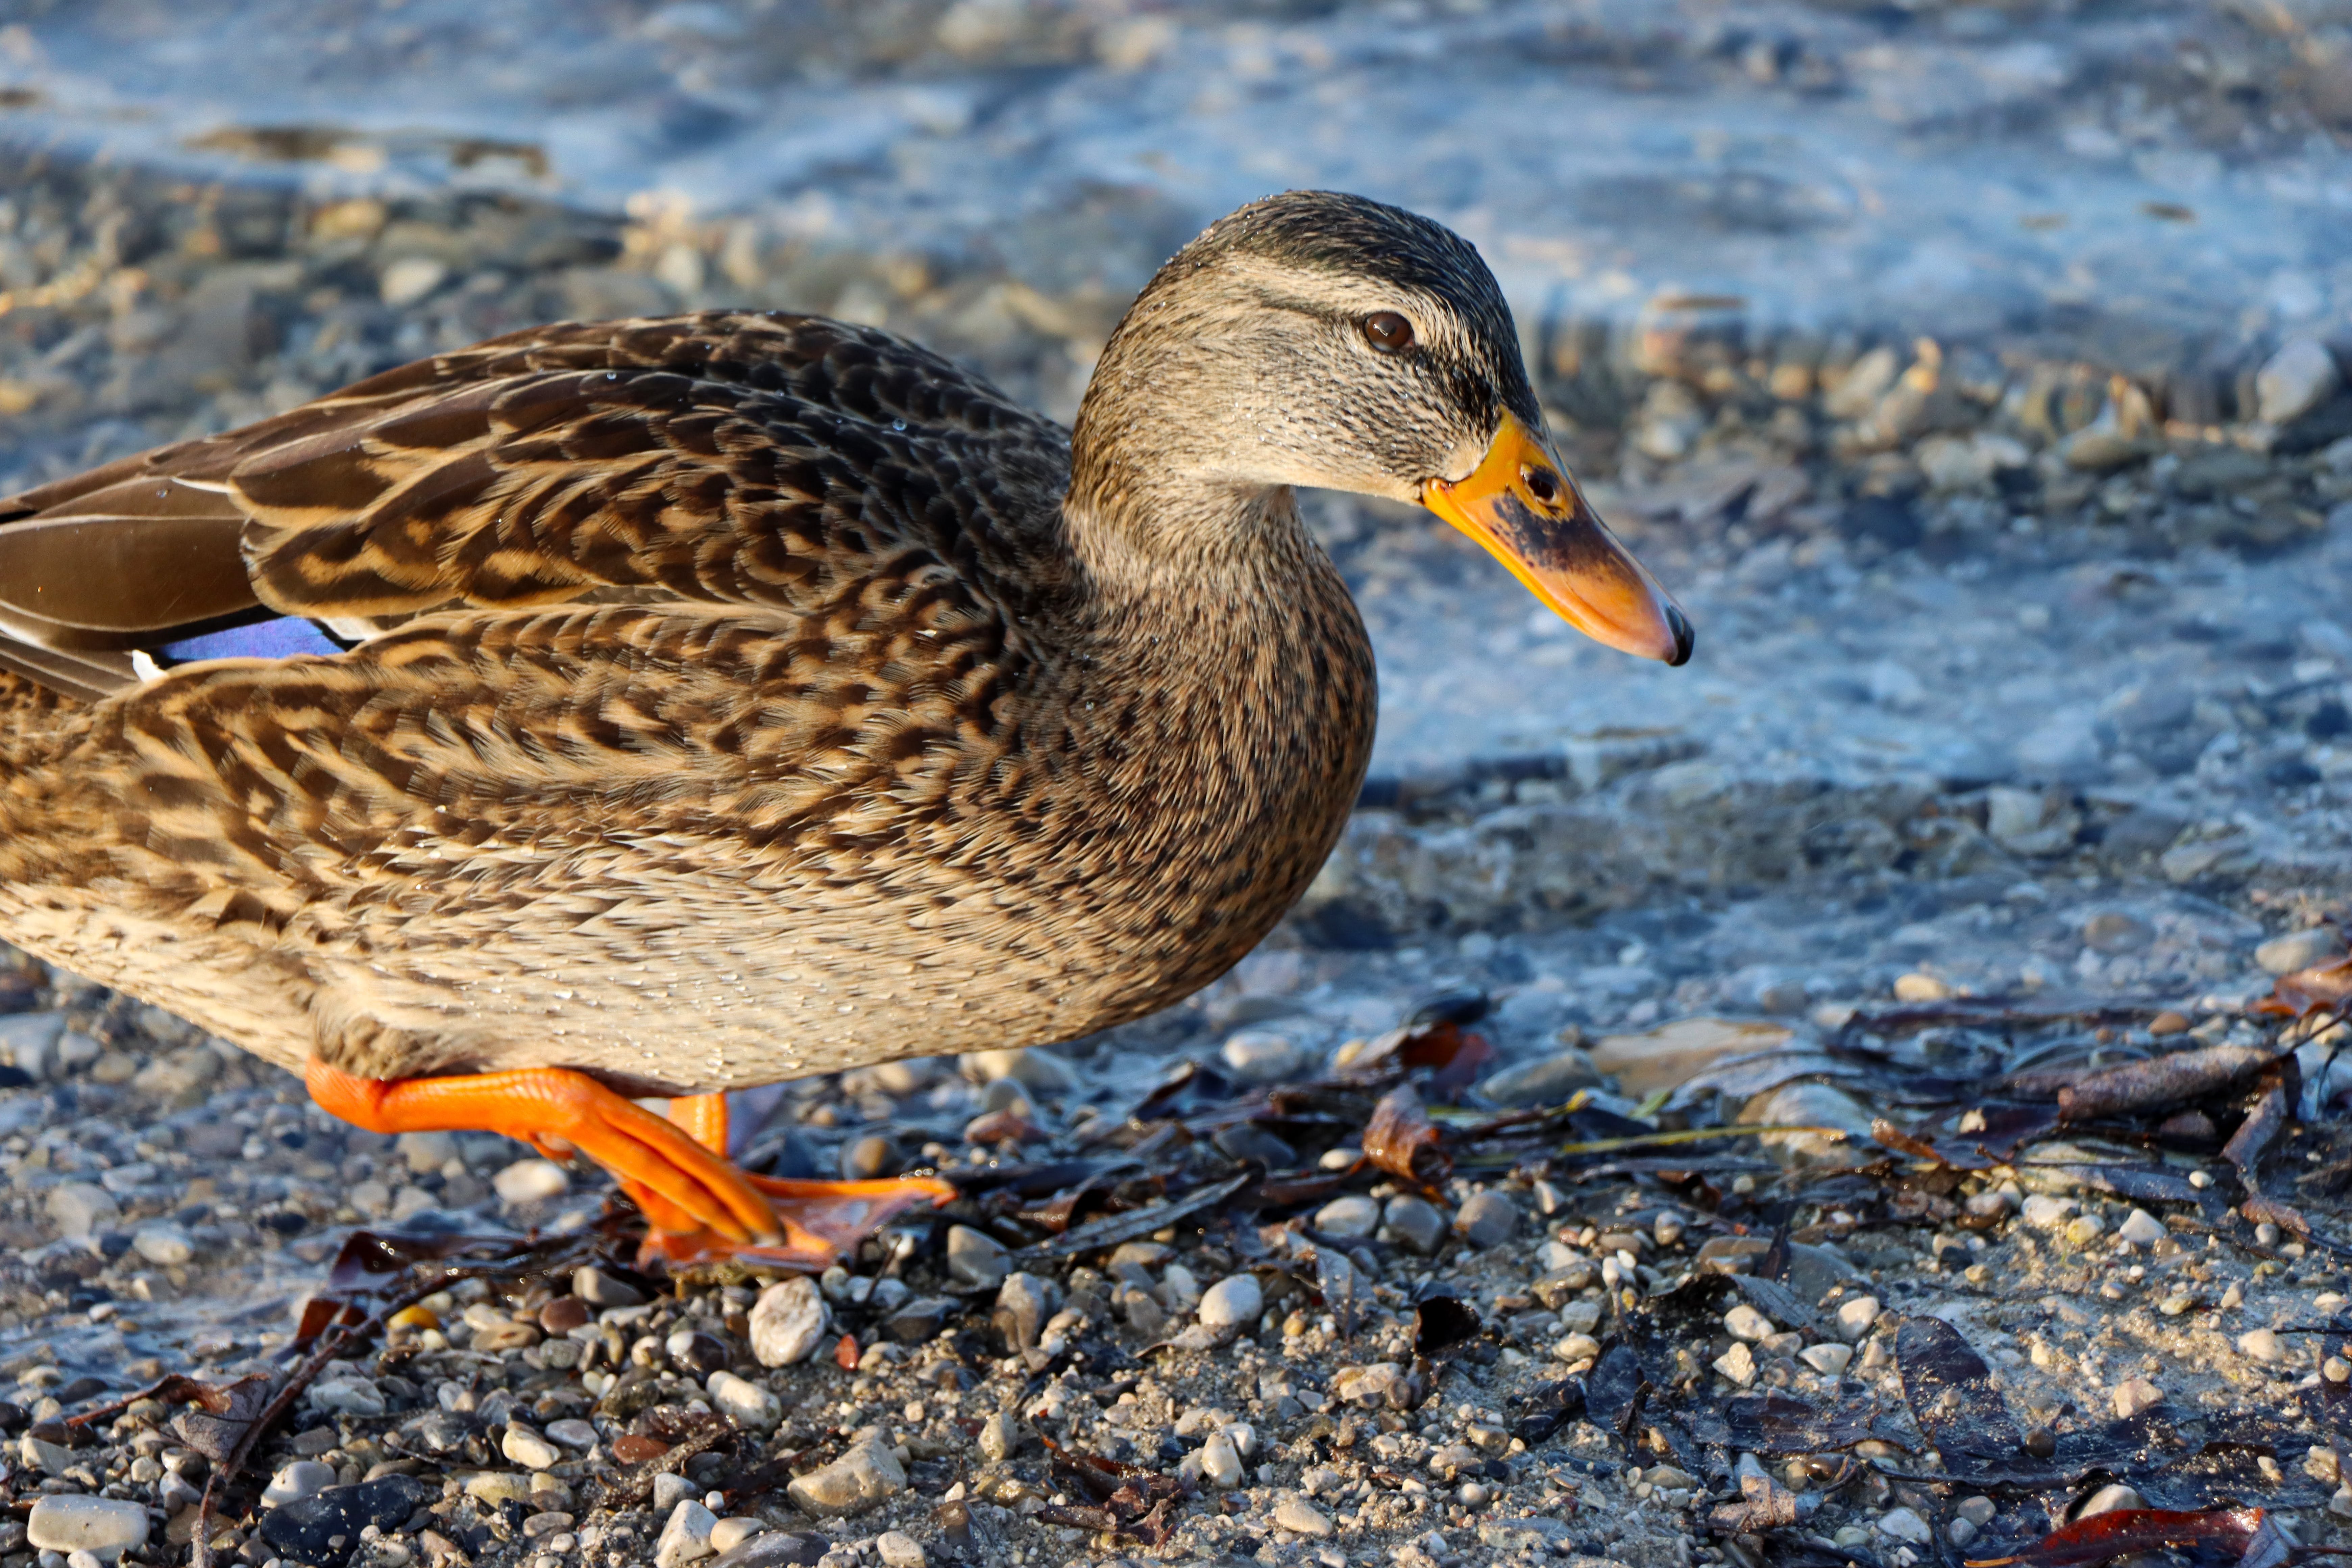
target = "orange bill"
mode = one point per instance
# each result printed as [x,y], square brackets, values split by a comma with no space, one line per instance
[1526,511]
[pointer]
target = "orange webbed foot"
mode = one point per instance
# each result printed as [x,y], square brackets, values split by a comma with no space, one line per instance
[822,1222]
[680,1182]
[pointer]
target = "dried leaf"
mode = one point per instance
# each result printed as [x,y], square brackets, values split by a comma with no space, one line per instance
[219,1429]
[1954,1399]
[1554,1406]
[1402,1141]
[1342,1289]
[2127,1531]
[1459,1056]
[2306,991]
[1780,1425]
[1112,1229]
[2161,1081]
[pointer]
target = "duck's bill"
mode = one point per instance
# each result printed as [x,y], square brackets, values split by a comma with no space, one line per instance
[1526,511]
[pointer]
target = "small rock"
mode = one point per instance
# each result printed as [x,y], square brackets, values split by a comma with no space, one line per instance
[1904,1524]
[1299,1514]
[573,1432]
[104,1527]
[1845,1141]
[2141,1229]
[1576,1347]
[1486,1219]
[1248,1141]
[1855,1316]
[2084,1229]
[868,1158]
[162,1244]
[2135,1394]
[598,1289]
[28,1039]
[669,1490]
[686,1537]
[1221,1465]
[499,1488]
[2299,949]
[347,1396]
[999,1436]
[789,1321]
[1233,1302]
[921,1319]
[1738,1364]
[1745,1322]
[1977,1510]
[531,1182]
[325,1526]
[2113,1498]
[1548,1080]
[696,1354]
[301,1478]
[1352,1215]
[410,279]
[1366,1384]
[976,1257]
[745,1402]
[1022,1305]
[80,1209]
[1827,1359]
[528,1449]
[425,1152]
[2297,379]
[1041,1071]
[2262,1345]
[865,1476]
[1414,1223]
[2044,1211]
[729,1533]
[1260,1056]
[898,1550]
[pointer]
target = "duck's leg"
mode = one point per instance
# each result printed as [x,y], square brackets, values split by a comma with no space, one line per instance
[678,1182]
[823,1222]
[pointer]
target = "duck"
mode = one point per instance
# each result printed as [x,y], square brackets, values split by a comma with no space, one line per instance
[644,711]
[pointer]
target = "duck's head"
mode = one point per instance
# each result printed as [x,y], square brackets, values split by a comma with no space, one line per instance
[1324,340]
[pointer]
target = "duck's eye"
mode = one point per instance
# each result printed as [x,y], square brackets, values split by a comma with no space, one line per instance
[1388,332]
[1543,484]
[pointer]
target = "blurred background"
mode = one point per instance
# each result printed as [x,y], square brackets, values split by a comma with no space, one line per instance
[1971,371]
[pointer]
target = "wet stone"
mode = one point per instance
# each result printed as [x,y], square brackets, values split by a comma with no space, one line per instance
[685,1537]
[1550,1080]
[789,1321]
[977,1258]
[866,1475]
[1414,1223]
[744,1402]
[325,1528]
[301,1478]
[599,1288]
[1353,1216]
[103,1527]
[1487,1219]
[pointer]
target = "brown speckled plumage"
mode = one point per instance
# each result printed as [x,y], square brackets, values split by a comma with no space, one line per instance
[739,696]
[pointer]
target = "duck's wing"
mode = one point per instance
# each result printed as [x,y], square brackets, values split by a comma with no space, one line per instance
[749,459]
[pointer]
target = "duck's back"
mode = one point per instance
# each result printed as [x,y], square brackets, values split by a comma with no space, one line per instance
[721,702]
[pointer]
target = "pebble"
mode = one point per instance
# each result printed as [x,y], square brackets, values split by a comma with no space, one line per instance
[1040,1070]
[2084,1229]
[2113,1498]
[531,1181]
[868,1474]
[898,1550]
[2141,1229]
[1738,1364]
[1828,1360]
[79,1209]
[1486,1219]
[729,1533]
[1261,1055]
[669,1490]
[1414,1223]
[499,1488]
[976,1257]
[301,1478]
[2298,378]
[528,1449]
[686,1537]
[1578,1347]
[1299,1514]
[2135,1394]
[2044,1211]
[347,1396]
[999,1436]
[1353,1216]
[789,1321]
[598,1289]
[1221,1465]
[1745,1322]
[1905,1525]
[2262,1345]
[305,1528]
[868,1158]
[1548,1080]
[573,1432]
[103,1527]
[1248,1141]
[425,1152]
[409,279]
[1232,1302]
[2299,949]
[1022,1304]
[745,1402]
[162,1244]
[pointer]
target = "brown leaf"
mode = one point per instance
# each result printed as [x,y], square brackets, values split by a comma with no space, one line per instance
[2309,990]
[2128,1532]
[1401,1139]
[217,1430]
[2161,1081]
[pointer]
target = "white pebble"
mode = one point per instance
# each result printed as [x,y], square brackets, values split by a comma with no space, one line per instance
[1232,1302]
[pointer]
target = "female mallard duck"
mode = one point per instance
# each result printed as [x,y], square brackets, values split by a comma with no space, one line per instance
[665,706]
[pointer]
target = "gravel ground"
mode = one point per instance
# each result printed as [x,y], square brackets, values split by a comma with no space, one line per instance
[2022,705]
